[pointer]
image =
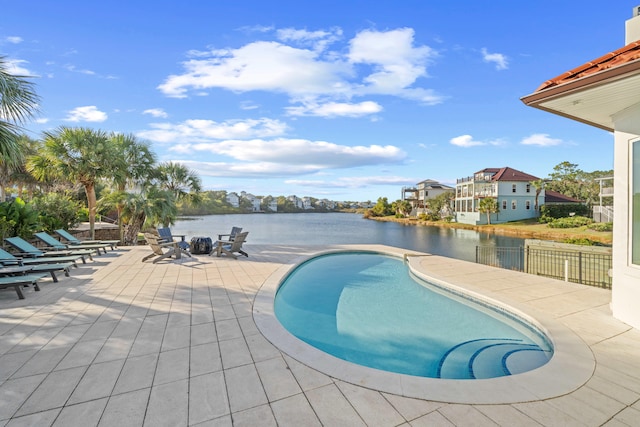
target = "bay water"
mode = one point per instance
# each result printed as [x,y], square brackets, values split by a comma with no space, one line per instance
[343,228]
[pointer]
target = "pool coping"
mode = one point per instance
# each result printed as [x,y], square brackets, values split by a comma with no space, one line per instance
[571,366]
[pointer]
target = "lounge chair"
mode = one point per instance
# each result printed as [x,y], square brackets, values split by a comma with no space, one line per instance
[159,246]
[73,240]
[13,270]
[166,236]
[56,245]
[230,248]
[26,249]
[7,259]
[16,282]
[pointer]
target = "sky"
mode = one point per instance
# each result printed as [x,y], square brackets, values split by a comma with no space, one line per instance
[343,100]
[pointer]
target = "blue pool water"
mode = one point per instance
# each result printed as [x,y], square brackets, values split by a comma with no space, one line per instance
[368,309]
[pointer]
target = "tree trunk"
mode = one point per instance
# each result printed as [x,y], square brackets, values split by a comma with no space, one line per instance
[132,229]
[90,191]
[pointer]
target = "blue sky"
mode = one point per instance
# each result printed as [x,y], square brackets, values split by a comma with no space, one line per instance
[345,100]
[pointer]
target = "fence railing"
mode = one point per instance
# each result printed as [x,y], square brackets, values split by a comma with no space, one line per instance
[586,268]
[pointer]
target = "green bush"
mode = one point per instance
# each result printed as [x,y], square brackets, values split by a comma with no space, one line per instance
[550,212]
[18,218]
[570,222]
[601,226]
[582,241]
[57,211]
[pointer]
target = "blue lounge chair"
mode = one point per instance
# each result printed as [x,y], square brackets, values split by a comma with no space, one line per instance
[56,245]
[26,249]
[8,259]
[16,282]
[13,270]
[73,240]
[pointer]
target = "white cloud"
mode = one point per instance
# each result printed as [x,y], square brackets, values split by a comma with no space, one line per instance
[317,154]
[353,182]
[335,109]
[376,63]
[42,120]
[16,67]
[541,140]
[500,60]
[89,113]
[468,141]
[197,131]
[14,39]
[73,69]
[156,112]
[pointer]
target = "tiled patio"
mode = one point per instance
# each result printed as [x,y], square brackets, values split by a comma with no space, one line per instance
[124,343]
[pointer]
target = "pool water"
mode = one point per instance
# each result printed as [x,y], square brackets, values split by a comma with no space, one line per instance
[368,309]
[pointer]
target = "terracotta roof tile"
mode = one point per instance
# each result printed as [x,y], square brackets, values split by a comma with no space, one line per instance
[624,55]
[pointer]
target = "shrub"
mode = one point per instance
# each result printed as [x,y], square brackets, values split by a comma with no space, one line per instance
[550,212]
[570,222]
[57,211]
[581,241]
[18,218]
[601,226]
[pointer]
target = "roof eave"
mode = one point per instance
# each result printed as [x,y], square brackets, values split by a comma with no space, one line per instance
[590,81]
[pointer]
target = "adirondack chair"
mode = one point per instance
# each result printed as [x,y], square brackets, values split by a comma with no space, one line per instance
[231,248]
[158,248]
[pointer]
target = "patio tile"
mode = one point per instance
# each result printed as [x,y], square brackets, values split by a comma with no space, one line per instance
[207,398]
[205,359]
[172,366]
[126,410]
[44,361]
[332,407]
[277,379]
[81,415]
[234,353]
[295,411]
[258,416]
[43,418]
[307,377]
[433,419]
[137,373]
[372,407]
[412,409]
[97,382]
[203,333]
[228,329]
[168,405]
[506,415]
[261,349]
[465,415]
[244,388]
[53,392]
[11,362]
[13,393]
[82,354]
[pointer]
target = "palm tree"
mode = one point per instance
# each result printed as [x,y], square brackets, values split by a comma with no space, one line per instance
[179,180]
[538,184]
[134,168]
[78,155]
[488,205]
[18,102]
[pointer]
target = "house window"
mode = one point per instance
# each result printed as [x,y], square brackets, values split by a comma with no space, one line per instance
[635,203]
[528,189]
[513,205]
[504,205]
[513,188]
[527,205]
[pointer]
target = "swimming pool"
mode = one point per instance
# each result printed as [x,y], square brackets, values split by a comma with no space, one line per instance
[366,308]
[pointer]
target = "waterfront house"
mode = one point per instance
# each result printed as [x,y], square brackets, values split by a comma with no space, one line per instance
[605,93]
[233,199]
[511,188]
[420,194]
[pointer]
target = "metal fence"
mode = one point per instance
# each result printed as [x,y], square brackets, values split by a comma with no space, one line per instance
[586,268]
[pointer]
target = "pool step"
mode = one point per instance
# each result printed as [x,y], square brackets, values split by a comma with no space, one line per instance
[490,358]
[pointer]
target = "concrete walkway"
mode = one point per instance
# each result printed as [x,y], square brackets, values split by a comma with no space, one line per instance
[126,343]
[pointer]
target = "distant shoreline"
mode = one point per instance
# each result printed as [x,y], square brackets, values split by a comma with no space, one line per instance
[525,231]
